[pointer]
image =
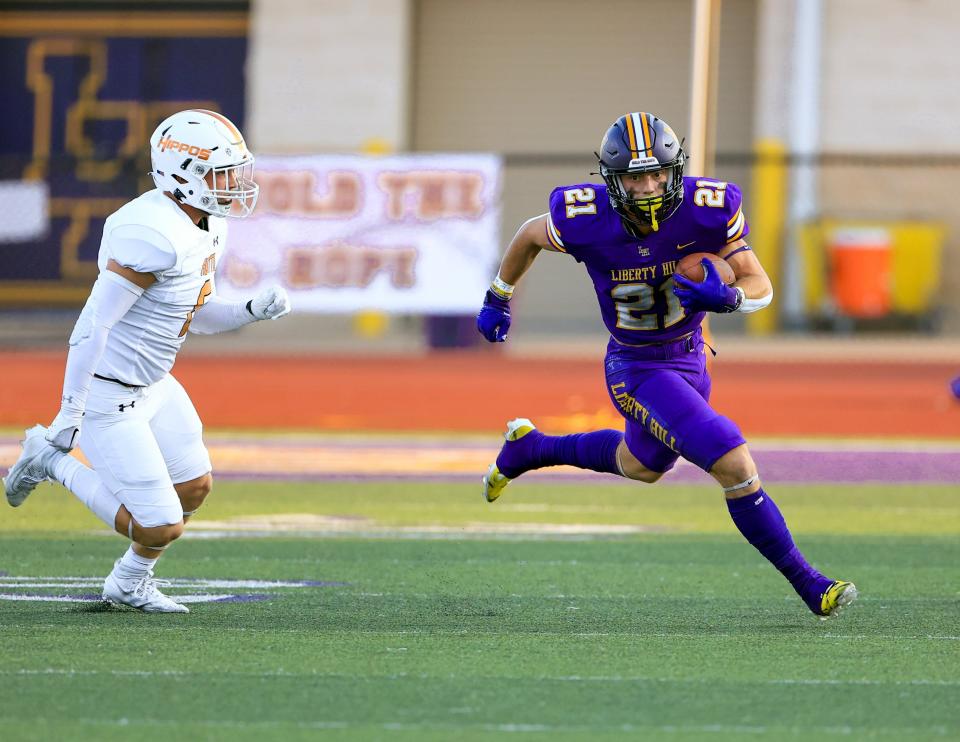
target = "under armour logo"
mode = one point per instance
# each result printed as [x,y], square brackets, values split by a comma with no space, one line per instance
[124,406]
[67,399]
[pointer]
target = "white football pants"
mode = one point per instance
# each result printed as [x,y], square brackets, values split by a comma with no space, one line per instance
[143,441]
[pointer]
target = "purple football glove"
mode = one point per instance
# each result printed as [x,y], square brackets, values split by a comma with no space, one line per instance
[709,295]
[493,322]
[955,387]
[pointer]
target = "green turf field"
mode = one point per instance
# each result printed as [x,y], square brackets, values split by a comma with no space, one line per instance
[682,633]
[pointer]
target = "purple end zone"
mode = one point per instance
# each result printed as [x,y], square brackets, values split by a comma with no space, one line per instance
[815,463]
[776,466]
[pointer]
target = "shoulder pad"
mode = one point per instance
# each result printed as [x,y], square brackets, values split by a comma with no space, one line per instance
[575,210]
[719,205]
[140,248]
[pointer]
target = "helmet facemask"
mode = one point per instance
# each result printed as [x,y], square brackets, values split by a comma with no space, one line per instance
[229,190]
[651,210]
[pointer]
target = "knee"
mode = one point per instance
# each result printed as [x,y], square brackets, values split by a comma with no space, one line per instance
[158,536]
[633,469]
[193,493]
[644,475]
[734,467]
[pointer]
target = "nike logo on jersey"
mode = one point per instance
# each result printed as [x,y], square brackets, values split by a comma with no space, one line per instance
[680,247]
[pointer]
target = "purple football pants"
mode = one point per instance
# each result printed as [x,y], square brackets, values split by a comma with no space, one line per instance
[663,393]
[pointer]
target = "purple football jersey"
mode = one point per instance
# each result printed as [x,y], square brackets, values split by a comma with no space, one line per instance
[633,276]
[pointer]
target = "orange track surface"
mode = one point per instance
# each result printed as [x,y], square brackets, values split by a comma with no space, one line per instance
[478,391]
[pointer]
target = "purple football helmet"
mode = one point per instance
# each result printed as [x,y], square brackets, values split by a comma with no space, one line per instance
[641,143]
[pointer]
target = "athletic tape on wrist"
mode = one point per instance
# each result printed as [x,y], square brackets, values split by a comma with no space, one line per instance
[501,288]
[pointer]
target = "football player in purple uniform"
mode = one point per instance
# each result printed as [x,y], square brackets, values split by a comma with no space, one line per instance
[630,233]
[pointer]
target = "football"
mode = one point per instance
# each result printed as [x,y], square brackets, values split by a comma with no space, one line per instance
[689,267]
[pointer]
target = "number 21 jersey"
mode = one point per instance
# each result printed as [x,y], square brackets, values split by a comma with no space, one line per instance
[633,275]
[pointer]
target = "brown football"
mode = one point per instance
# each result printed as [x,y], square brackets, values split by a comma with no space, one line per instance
[689,267]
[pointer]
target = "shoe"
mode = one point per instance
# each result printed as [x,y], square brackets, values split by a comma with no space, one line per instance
[141,594]
[35,465]
[495,481]
[835,598]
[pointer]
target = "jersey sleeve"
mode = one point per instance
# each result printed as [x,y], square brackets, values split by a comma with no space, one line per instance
[141,249]
[573,216]
[736,224]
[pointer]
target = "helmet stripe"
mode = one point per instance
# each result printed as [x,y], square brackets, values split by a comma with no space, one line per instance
[223,120]
[647,144]
[631,135]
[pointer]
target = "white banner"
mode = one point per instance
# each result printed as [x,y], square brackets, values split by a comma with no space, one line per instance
[343,233]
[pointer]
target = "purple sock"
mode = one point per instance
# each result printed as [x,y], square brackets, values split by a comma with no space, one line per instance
[759,520]
[596,451]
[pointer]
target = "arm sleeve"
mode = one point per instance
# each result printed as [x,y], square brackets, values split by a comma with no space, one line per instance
[111,298]
[220,315]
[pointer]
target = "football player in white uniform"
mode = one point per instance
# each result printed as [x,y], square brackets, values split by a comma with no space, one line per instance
[120,404]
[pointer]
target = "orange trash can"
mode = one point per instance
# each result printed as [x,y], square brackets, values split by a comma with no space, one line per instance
[861,271]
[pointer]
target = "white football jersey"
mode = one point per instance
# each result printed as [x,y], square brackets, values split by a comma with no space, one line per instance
[151,234]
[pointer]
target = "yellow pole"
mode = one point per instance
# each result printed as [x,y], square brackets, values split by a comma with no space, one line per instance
[372,323]
[767,220]
[703,97]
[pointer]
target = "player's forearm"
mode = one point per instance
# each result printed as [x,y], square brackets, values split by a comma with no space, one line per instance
[517,260]
[220,315]
[754,286]
[757,292]
[523,249]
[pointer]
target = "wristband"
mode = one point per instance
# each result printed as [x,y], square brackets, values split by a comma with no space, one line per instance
[501,288]
[741,295]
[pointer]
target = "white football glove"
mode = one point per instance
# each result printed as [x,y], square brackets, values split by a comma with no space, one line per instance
[64,431]
[270,303]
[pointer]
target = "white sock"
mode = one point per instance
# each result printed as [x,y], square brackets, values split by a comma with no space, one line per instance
[87,486]
[132,566]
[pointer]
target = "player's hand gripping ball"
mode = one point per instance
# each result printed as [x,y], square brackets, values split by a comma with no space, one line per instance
[493,321]
[702,283]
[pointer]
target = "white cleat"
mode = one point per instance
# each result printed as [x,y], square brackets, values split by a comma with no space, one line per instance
[35,465]
[141,594]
